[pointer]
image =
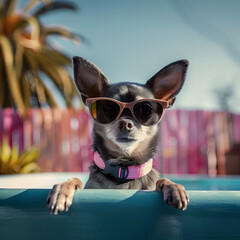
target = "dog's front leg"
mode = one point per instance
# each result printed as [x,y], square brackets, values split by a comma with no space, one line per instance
[174,194]
[61,195]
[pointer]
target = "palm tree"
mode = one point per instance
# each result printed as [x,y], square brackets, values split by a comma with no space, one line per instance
[27,58]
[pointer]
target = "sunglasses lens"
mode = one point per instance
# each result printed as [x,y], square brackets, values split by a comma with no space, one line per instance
[104,111]
[148,112]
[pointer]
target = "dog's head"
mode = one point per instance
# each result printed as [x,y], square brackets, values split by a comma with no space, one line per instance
[124,134]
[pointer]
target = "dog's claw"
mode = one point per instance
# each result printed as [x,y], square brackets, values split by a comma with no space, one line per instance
[56,210]
[52,208]
[66,207]
[180,205]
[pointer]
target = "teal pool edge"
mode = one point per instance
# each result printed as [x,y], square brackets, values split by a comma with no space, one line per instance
[119,214]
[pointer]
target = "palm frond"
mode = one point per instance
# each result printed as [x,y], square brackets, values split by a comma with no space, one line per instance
[31,4]
[40,91]
[57,56]
[27,93]
[18,59]
[7,54]
[1,10]
[51,69]
[53,6]
[48,61]
[49,96]
[7,7]
[27,60]
[28,22]
[60,31]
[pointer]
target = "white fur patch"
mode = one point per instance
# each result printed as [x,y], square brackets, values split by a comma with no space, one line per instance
[123,90]
[141,134]
[139,97]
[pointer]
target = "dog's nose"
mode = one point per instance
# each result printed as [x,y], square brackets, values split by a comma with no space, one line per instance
[126,125]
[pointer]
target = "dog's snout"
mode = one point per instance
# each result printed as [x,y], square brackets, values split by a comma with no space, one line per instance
[126,125]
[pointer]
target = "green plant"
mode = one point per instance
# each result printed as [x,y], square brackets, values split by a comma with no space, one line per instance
[12,162]
[27,58]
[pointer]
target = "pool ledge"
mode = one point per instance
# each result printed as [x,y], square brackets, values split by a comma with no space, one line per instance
[119,214]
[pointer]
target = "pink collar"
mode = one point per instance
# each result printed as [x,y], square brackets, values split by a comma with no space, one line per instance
[122,173]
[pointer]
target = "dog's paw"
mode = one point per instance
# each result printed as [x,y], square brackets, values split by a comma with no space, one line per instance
[174,194]
[60,197]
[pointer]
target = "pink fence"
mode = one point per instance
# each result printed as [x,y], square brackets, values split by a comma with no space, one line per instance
[195,142]
[192,142]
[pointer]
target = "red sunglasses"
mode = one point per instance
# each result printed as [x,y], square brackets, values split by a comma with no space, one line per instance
[145,111]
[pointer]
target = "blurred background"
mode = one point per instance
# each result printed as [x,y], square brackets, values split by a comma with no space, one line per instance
[43,125]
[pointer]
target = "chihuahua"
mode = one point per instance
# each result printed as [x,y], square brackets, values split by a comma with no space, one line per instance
[125,133]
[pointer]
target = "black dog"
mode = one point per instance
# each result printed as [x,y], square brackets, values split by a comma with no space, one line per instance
[124,133]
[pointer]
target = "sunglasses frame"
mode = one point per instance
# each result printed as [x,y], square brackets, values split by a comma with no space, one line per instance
[122,105]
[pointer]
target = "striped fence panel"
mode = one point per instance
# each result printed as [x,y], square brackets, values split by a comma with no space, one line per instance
[190,142]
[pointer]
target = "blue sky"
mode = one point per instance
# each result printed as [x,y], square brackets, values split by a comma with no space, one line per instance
[132,40]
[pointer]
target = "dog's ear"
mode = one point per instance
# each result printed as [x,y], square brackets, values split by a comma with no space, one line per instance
[167,83]
[89,79]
